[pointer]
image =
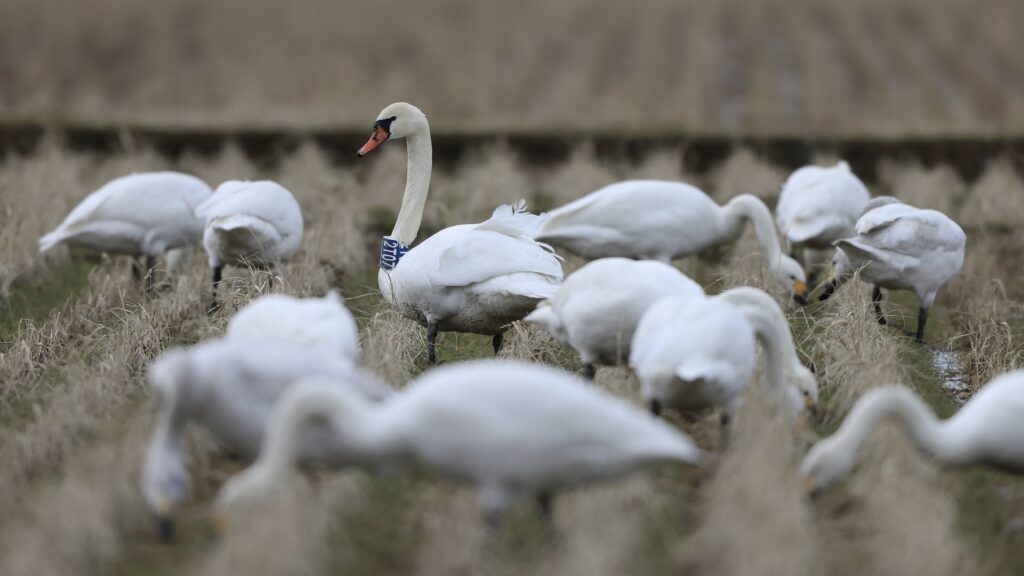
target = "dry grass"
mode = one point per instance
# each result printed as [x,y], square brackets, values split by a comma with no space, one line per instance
[996,200]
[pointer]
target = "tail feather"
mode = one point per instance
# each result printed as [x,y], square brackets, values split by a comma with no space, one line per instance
[51,240]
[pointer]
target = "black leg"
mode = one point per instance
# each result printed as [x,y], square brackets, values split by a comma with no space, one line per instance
[496,341]
[724,423]
[270,279]
[150,274]
[589,371]
[432,343]
[137,269]
[216,284]
[656,407]
[876,299]
[544,500]
[830,288]
[922,317]
[494,519]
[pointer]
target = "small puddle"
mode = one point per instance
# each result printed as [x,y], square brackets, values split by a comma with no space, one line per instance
[947,364]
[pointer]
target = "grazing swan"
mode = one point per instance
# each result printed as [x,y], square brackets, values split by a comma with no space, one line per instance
[475,278]
[899,247]
[819,205]
[512,428]
[314,323]
[695,354]
[229,387]
[250,223]
[598,306]
[988,429]
[142,215]
[658,220]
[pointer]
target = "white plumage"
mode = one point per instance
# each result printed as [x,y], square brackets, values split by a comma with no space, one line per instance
[323,324]
[597,308]
[511,428]
[819,205]
[988,429]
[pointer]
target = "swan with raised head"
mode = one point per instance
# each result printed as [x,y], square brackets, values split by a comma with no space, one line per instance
[696,354]
[314,323]
[660,220]
[511,428]
[249,223]
[229,387]
[819,205]
[596,309]
[142,215]
[475,278]
[899,247]
[988,429]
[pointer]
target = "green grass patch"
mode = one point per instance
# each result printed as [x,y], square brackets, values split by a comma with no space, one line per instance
[32,301]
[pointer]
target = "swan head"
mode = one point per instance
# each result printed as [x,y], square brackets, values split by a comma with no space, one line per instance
[398,120]
[790,275]
[805,382]
[828,462]
[838,272]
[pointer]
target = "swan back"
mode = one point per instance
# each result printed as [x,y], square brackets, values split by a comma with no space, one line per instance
[257,220]
[147,213]
[820,204]
[317,323]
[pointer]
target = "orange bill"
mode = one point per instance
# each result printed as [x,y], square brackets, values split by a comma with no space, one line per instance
[376,139]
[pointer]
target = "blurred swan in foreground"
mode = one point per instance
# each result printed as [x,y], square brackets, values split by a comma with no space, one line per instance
[475,278]
[596,309]
[511,428]
[988,429]
[250,224]
[229,387]
[142,215]
[697,354]
[899,247]
[819,205]
[314,323]
[660,220]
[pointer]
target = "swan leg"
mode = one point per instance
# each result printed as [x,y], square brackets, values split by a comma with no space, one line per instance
[165,526]
[589,371]
[922,318]
[876,299]
[655,407]
[724,427]
[217,270]
[137,268]
[150,274]
[544,500]
[496,341]
[432,343]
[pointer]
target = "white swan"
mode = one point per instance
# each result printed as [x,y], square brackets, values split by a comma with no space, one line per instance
[596,309]
[251,223]
[314,323]
[475,278]
[695,354]
[512,428]
[229,387]
[819,205]
[988,429]
[899,247]
[659,220]
[142,215]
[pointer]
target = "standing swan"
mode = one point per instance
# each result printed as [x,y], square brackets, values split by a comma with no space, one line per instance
[988,429]
[315,323]
[249,223]
[512,428]
[475,278]
[698,354]
[596,309]
[229,387]
[900,247]
[142,215]
[659,220]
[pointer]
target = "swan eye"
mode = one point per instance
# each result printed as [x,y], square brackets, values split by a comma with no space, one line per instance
[384,124]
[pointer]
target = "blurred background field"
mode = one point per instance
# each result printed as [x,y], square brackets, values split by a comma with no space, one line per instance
[805,67]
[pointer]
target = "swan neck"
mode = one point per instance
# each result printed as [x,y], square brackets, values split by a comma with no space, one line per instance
[909,410]
[752,209]
[778,348]
[417,185]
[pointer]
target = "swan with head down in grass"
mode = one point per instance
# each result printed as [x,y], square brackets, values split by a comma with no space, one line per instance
[475,278]
[315,323]
[513,429]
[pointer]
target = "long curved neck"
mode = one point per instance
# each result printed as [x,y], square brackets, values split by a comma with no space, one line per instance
[931,435]
[778,347]
[750,208]
[417,184]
